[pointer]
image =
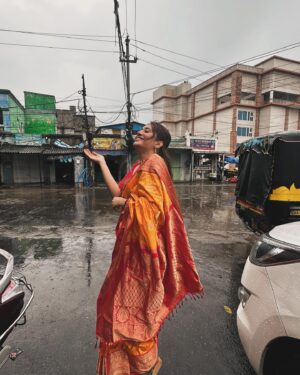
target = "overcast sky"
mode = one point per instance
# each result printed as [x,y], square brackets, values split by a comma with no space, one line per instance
[218,31]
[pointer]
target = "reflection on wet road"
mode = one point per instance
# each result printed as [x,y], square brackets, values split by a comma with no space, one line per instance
[62,240]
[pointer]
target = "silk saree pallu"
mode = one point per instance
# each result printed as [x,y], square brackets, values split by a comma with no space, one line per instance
[152,270]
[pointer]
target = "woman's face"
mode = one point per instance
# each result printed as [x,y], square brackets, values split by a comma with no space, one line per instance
[145,139]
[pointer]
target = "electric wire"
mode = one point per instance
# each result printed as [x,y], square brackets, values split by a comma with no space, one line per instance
[177,53]
[204,98]
[55,34]
[162,67]
[169,60]
[56,47]
[135,28]
[253,58]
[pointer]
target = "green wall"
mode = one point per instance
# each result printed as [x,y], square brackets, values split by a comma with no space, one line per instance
[39,101]
[36,123]
[40,113]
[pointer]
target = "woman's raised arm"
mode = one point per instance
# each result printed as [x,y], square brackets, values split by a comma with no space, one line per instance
[110,182]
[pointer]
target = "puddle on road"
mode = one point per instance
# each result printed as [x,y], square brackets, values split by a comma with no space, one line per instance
[40,248]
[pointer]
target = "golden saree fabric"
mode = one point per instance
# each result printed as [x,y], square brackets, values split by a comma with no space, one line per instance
[152,267]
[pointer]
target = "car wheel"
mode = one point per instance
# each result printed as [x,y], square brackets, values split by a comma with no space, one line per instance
[282,357]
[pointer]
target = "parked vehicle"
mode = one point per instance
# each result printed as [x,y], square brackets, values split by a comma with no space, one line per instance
[268,187]
[14,291]
[268,316]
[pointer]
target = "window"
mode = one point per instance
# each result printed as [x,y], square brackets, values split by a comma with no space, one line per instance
[245,115]
[248,96]
[244,131]
[1,116]
[266,96]
[283,97]
[224,99]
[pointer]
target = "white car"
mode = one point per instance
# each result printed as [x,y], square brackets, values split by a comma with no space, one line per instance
[268,316]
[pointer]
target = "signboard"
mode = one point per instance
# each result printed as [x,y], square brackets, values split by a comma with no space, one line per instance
[204,144]
[28,139]
[202,168]
[108,143]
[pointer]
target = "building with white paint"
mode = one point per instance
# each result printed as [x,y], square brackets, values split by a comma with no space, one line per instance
[239,103]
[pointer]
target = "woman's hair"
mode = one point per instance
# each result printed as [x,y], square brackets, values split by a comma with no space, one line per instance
[162,134]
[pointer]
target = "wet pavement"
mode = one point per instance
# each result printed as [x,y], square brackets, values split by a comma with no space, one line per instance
[62,240]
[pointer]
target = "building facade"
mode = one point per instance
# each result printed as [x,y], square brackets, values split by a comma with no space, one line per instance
[12,113]
[38,143]
[239,103]
[71,122]
[40,113]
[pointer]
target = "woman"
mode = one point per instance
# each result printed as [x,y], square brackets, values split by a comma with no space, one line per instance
[152,268]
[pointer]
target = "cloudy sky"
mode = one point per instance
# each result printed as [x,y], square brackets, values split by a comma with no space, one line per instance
[214,32]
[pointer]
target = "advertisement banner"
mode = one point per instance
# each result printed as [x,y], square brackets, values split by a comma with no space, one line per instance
[203,144]
[28,139]
[108,143]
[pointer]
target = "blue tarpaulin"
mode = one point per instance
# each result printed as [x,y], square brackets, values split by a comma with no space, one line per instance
[231,160]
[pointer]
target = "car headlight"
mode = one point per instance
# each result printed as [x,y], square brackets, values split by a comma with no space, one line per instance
[243,295]
[270,252]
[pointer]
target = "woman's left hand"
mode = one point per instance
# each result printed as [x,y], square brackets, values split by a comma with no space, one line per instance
[118,201]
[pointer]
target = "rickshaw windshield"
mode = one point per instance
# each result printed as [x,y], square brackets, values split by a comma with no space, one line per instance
[286,169]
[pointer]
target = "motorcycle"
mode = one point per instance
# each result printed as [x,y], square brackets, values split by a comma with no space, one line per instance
[16,295]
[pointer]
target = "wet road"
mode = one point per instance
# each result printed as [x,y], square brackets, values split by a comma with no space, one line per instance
[62,240]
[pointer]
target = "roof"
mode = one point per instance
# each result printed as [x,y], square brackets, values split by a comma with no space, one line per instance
[136,126]
[277,57]
[43,150]
[112,152]
[8,92]
[264,143]
[37,93]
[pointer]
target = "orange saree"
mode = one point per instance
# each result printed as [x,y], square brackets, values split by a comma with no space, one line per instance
[152,270]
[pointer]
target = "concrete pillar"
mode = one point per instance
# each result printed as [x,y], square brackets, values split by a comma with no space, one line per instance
[259,97]
[257,116]
[215,105]
[236,87]
[286,119]
[78,168]
[193,114]
[233,130]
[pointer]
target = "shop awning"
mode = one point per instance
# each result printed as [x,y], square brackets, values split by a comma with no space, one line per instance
[112,152]
[211,152]
[42,150]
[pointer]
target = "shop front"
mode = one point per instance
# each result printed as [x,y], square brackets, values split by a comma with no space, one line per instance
[207,160]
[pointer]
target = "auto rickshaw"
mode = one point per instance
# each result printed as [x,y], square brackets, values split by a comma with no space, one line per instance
[268,186]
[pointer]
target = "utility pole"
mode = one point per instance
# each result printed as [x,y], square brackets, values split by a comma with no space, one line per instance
[129,138]
[86,120]
[88,134]
[125,59]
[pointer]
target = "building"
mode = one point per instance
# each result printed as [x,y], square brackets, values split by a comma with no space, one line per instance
[239,103]
[12,113]
[70,122]
[32,150]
